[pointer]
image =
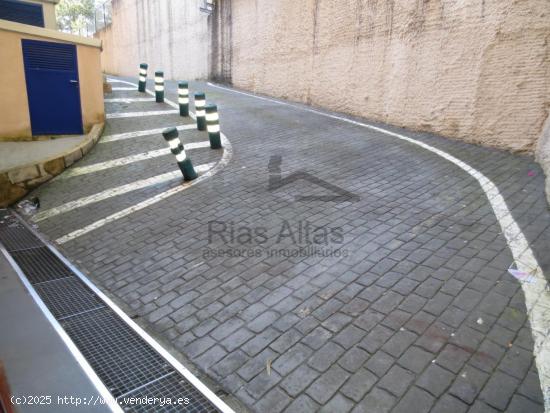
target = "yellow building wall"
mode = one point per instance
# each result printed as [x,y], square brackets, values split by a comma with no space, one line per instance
[91,86]
[15,121]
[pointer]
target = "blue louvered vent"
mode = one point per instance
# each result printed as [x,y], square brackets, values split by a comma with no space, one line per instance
[22,12]
[49,56]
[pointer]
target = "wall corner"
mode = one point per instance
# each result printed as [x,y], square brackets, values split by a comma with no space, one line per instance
[542,154]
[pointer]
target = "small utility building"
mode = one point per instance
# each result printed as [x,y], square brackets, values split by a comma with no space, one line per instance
[51,81]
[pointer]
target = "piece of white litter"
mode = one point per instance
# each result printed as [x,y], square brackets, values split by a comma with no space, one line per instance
[27,207]
[522,276]
[480,321]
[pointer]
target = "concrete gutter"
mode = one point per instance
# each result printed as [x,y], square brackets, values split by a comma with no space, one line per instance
[16,182]
[48,33]
[37,361]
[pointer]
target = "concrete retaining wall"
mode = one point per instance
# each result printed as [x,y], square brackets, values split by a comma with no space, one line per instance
[476,70]
[169,35]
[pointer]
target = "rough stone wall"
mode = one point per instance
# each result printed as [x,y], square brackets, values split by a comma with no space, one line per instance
[169,35]
[476,70]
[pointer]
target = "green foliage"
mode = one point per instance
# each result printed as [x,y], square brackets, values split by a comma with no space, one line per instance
[75,15]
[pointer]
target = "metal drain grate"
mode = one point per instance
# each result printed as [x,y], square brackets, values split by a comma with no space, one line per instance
[66,297]
[122,359]
[172,387]
[40,265]
[16,237]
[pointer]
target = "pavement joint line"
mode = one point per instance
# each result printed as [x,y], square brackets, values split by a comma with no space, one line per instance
[111,192]
[128,100]
[537,294]
[136,134]
[100,166]
[122,88]
[49,281]
[81,312]
[25,249]
[146,384]
[222,163]
[120,115]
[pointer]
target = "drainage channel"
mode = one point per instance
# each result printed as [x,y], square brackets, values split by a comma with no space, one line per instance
[127,365]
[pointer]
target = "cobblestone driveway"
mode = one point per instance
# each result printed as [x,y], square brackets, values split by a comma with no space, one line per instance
[417,313]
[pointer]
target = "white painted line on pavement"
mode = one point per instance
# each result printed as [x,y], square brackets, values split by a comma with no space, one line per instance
[211,170]
[100,166]
[128,100]
[136,134]
[537,295]
[167,101]
[111,192]
[119,115]
[123,88]
[224,161]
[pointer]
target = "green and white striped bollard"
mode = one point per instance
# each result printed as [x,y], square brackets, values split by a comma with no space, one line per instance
[159,86]
[184,163]
[142,77]
[173,140]
[183,98]
[200,102]
[213,126]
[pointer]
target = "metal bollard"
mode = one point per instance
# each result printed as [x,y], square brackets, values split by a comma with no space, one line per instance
[159,86]
[173,140]
[142,77]
[184,163]
[200,102]
[213,126]
[183,98]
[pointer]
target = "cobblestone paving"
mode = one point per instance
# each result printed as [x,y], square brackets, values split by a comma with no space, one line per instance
[418,313]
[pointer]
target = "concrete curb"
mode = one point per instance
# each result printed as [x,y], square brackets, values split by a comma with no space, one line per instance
[15,183]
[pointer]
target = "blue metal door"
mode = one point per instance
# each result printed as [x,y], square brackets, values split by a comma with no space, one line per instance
[22,12]
[51,73]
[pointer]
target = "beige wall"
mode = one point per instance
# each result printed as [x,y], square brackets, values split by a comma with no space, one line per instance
[169,35]
[15,121]
[476,70]
[91,86]
[14,111]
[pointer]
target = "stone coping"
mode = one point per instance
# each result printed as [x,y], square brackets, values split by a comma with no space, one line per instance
[16,182]
[48,33]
